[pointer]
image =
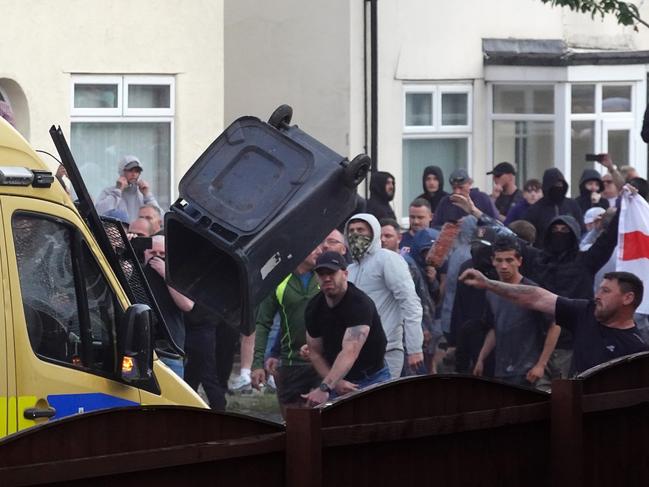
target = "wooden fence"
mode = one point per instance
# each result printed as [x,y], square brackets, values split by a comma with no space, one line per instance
[447,430]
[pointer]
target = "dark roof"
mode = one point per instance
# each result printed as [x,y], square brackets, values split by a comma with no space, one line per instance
[552,52]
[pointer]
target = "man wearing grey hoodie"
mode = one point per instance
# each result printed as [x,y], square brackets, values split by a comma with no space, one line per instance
[383,275]
[129,193]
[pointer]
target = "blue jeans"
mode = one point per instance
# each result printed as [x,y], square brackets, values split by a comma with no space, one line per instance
[174,364]
[376,378]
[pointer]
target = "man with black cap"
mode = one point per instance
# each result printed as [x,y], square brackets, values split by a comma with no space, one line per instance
[504,193]
[461,184]
[344,333]
[130,192]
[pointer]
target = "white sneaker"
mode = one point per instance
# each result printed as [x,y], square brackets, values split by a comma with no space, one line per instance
[240,382]
[270,384]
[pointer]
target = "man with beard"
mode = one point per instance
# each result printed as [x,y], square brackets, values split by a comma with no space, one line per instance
[603,328]
[553,203]
[381,193]
[344,333]
[433,183]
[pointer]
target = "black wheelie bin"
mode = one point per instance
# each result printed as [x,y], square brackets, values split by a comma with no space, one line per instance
[251,208]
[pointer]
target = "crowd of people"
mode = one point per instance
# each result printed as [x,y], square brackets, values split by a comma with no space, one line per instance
[518,285]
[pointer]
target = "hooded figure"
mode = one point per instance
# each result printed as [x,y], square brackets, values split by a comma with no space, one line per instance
[129,199]
[563,269]
[384,276]
[379,202]
[584,198]
[553,203]
[433,197]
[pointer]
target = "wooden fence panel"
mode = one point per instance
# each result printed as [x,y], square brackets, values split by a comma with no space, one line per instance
[446,430]
[165,441]
[616,422]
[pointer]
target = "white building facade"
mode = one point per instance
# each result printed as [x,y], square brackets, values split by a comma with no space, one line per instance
[469,83]
[120,77]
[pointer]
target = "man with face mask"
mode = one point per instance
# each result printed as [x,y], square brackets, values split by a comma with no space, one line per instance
[383,275]
[553,203]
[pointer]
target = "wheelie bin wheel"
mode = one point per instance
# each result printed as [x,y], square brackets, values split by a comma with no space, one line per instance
[281,116]
[356,170]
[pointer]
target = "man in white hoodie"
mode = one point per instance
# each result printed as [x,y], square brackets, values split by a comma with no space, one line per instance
[130,191]
[383,275]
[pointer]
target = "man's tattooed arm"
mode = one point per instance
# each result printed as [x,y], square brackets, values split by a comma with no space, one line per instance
[532,297]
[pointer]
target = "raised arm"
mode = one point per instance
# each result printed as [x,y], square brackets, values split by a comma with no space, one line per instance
[531,297]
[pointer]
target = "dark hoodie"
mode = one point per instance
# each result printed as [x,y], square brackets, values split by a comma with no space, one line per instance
[584,195]
[433,198]
[543,211]
[379,202]
[571,273]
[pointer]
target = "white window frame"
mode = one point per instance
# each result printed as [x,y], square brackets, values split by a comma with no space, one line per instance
[437,130]
[520,117]
[123,114]
[602,120]
[150,80]
[96,80]
[437,90]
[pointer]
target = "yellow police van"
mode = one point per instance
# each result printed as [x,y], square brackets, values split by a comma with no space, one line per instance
[70,339]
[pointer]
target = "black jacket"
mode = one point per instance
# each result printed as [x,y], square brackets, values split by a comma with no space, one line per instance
[583,200]
[433,198]
[543,211]
[572,273]
[379,202]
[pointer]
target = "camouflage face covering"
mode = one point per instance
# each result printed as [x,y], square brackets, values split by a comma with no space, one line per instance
[358,245]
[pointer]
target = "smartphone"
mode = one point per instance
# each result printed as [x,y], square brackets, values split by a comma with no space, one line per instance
[594,157]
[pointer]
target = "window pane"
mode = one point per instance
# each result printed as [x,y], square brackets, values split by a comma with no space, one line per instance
[149,96]
[618,146]
[448,154]
[44,258]
[582,140]
[537,99]
[419,109]
[99,146]
[529,144]
[583,98]
[101,307]
[616,98]
[95,96]
[454,109]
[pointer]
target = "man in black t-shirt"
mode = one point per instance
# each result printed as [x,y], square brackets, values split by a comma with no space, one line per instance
[344,333]
[603,328]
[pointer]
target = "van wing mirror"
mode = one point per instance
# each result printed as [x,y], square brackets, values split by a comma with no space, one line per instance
[134,345]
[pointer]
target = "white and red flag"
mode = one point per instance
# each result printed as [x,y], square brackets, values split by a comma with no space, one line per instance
[633,242]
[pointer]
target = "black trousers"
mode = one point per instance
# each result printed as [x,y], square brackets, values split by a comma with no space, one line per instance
[207,349]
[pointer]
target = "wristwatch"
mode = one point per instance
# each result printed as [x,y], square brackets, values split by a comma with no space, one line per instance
[324,387]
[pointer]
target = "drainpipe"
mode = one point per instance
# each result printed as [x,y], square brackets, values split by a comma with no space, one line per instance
[373,86]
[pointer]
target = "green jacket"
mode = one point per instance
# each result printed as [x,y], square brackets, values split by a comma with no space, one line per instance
[290,300]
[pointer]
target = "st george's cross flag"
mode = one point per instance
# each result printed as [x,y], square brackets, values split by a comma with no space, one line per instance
[633,242]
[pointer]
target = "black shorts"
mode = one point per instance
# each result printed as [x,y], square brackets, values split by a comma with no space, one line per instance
[295,380]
